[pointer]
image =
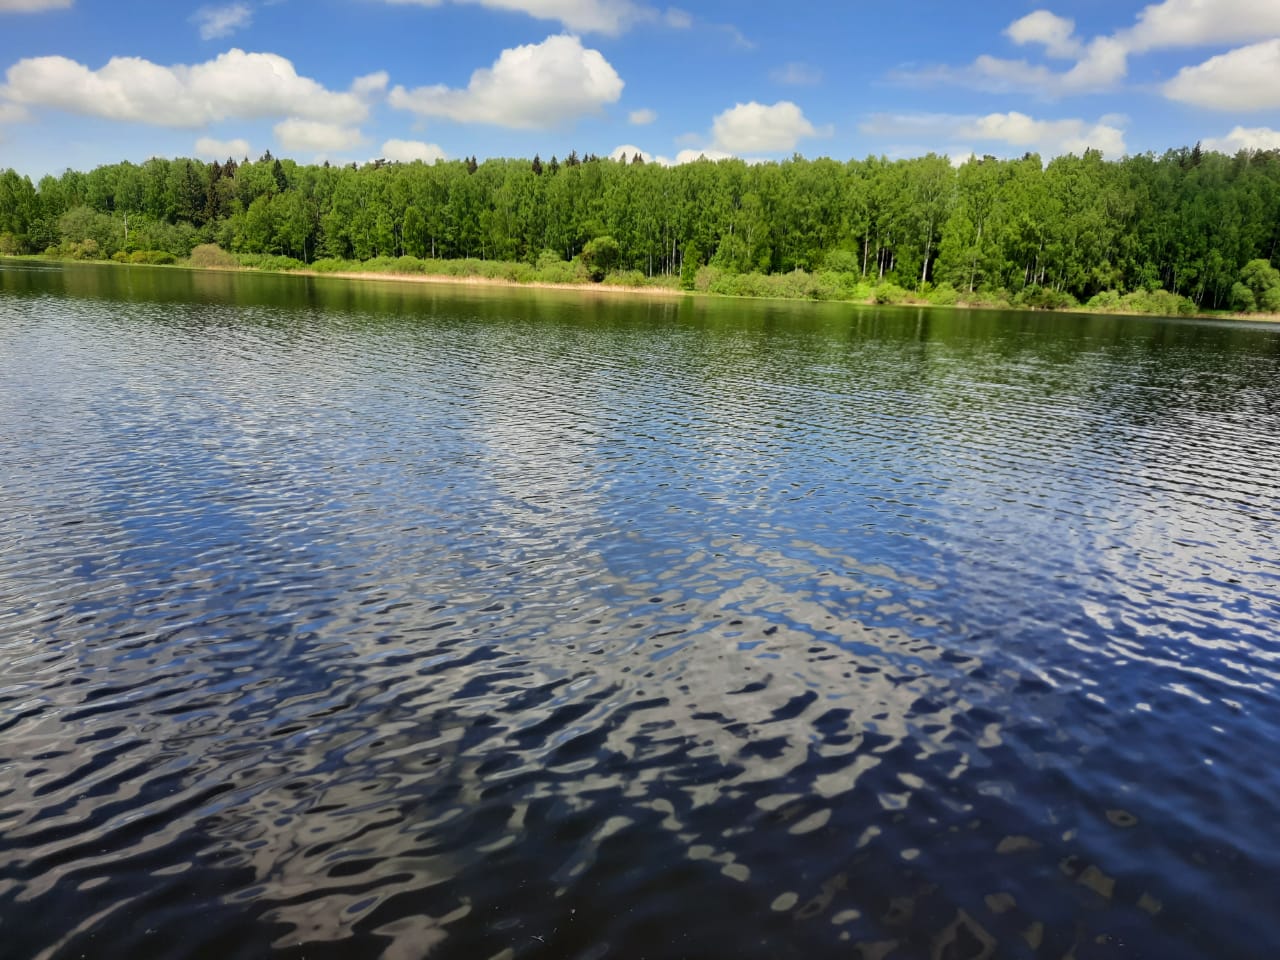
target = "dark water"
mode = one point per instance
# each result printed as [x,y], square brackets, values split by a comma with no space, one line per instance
[345,621]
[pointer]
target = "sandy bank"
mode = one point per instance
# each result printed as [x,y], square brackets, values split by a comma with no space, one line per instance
[491,282]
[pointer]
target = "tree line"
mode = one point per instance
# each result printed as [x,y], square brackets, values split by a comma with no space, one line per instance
[1188,222]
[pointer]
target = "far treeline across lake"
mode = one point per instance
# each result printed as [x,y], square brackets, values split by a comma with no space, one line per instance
[1184,232]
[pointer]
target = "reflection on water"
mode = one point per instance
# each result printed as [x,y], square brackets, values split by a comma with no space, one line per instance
[373,620]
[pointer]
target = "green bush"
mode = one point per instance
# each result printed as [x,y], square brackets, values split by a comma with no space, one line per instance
[842,261]
[268,261]
[152,257]
[601,255]
[210,255]
[1045,298]
[626,278]
[330,265]
[1104,301]
[890,293]
[943,295]
[554,270]
[1242,298]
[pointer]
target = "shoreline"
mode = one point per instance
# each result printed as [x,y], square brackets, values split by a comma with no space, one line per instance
[647,291]
[464,281]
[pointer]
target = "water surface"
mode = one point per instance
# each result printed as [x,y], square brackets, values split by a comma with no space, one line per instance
[358,619]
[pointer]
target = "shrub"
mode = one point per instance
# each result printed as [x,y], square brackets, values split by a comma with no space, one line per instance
[267,261]
[889,293]
[943,295]
[1045,298]
[626,278]
[842,261]
[1104,301]
[690,272]
[335,266]
[152,257]
[210,255]
[554,270]
[601,255]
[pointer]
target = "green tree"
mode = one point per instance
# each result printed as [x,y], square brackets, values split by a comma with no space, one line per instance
[601,255]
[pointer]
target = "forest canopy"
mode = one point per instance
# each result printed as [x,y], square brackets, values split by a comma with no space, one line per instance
[1196,224]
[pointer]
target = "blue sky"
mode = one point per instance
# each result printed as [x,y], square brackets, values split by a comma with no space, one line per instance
[87,82]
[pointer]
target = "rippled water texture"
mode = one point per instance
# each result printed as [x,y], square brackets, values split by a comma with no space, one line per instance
[353,620]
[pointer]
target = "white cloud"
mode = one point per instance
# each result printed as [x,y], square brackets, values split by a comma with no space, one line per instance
[1104,61]
[372,86]
[797,75]
[587,16]
[1047,136]
[1102,65]
[233,85]
[32,6]
[641,118]
[1244,79]
[407,151]
[1245,138]
[677,18]
[1056,34]
[209,148]
[629,150]
[736,36]
[1017,130]
[756,128]
[694,155]
[215,22]
[1194,23]
[316,136]
[533,86]
[12,113]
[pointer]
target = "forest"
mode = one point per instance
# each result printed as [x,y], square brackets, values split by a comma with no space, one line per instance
[1187,230]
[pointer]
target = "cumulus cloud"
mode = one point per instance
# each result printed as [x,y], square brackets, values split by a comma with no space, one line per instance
[1056,34]
[1194,23]
[233,85]
[372,86]
[209,148]
[407,151]
[1103,62]
[756,128]
[1016,130]
[316,136]
[215,22]
[629,150]
[1245,138]
[1048,136]
[694,155]
[586,16]
[32,6]
[641,118]
[1247,78]
[534,86]
[12,113]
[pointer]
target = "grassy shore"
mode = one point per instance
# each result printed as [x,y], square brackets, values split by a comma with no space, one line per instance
[476,281]
[799,285]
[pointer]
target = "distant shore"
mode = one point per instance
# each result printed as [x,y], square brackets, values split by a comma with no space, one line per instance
[477,281]
[643,291]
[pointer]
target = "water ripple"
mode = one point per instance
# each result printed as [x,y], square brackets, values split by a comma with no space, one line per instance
[347,620]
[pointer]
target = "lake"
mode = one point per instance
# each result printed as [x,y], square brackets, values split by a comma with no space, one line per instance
[358,619]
